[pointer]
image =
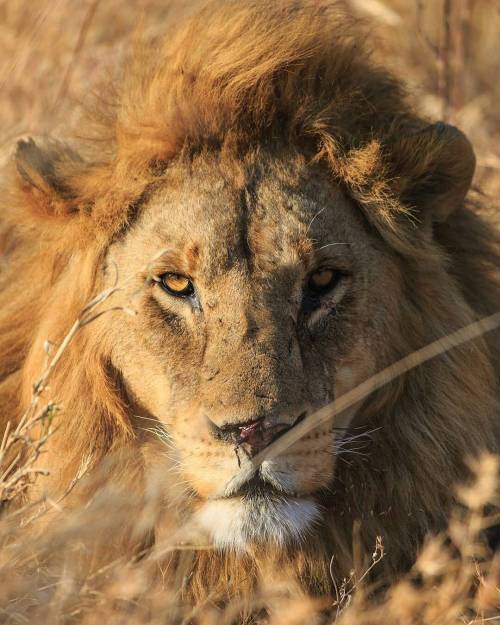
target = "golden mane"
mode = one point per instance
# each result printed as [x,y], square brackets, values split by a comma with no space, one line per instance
[237,77]
[294,73]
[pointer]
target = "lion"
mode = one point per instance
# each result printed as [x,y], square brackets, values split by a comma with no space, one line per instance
[282,225]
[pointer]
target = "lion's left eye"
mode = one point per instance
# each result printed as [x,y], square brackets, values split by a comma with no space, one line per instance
[322,281]
[176,284]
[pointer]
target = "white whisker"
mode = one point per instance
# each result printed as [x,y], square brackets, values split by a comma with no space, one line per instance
[312,220]
[330,245]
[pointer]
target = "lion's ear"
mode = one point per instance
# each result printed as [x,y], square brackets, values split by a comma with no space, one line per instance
[44,173]
[436,167]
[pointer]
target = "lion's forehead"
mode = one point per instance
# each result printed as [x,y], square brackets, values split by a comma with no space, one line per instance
[276,221]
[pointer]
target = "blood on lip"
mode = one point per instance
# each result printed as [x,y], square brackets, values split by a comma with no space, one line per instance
[260,433]
[248,432]
[257,435]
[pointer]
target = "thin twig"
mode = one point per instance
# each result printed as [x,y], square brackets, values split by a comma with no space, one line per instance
[20,471]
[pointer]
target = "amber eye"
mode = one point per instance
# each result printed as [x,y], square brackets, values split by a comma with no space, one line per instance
[176,284]
[323,280]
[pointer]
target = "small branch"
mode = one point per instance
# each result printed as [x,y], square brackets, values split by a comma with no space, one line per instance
[20,470]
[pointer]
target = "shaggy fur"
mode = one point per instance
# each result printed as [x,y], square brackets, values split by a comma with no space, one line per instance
[234,81]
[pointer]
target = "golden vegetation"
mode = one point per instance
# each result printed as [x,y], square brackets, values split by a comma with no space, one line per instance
[51,55]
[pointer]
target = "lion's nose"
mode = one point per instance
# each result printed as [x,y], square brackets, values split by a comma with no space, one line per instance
[253,435]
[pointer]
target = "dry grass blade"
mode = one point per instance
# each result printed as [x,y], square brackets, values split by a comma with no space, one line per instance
[22,446]
[343,407]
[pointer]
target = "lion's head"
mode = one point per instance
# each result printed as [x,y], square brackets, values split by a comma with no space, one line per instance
[282,226]
[260,296]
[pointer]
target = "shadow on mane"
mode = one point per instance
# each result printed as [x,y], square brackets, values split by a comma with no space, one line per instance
[235,78]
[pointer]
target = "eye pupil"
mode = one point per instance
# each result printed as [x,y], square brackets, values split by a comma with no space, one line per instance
[176,284]
[322,280]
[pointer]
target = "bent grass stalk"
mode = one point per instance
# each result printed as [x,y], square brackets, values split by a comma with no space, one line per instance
[344,407]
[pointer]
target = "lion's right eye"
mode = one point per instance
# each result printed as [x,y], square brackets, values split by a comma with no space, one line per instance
[176,284]
[322,281]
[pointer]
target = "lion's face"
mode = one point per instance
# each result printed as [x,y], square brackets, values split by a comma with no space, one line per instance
[261,295]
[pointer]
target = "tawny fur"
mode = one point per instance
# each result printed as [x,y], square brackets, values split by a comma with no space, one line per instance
[237,80]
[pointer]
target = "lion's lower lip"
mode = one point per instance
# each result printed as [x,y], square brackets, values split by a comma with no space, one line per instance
[256,487]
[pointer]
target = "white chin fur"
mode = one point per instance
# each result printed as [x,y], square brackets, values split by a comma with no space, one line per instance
[234,523]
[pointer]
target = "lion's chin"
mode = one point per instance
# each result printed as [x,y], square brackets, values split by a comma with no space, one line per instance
[237,523]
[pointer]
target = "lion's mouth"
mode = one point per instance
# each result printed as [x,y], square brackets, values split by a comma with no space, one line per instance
[261,504]
[263,481]
[257,487]
[266,478]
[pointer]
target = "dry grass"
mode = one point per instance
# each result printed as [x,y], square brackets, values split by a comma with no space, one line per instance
[52,54]
[52,578]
